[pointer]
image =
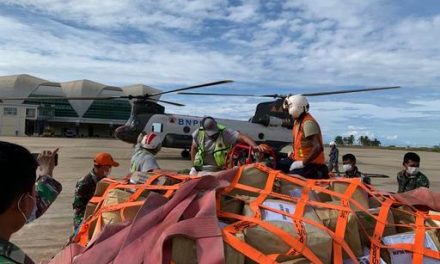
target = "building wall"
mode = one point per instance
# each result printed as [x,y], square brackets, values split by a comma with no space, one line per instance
[12,120]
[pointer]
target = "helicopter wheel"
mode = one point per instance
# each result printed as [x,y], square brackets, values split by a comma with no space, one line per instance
[185,154]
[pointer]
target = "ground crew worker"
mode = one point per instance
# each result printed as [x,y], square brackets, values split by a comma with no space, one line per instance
[85,188]
[351,170]
[333,158]
[410,177]
[308,148]
[143,159]
[22,198]
[211,143]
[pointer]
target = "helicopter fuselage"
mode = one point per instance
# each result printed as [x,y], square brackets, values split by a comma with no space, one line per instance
[176,131]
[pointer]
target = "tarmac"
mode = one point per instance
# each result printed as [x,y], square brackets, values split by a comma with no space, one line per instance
[46,236]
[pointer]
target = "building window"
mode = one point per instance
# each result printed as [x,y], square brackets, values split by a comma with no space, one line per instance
[10,111]
[30,113]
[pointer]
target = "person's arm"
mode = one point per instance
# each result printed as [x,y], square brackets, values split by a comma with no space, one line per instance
[401,181]
[242,138]
[47,188]
[424,181]
[193,151]
[80,200]
[316,149]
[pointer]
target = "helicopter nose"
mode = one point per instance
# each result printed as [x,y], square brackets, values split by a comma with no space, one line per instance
[127,134]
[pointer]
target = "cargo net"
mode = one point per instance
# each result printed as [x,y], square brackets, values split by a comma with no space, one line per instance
[270,217]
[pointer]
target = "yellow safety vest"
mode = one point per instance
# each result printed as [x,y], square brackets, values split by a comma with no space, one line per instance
[220,149]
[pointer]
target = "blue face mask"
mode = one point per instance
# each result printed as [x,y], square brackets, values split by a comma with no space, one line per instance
[33,215]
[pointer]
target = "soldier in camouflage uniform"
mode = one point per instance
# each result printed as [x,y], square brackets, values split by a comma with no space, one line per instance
[85,188]
[22,199]
[351,170]
[410,177]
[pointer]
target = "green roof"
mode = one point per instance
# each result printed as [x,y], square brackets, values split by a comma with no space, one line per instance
[111,109]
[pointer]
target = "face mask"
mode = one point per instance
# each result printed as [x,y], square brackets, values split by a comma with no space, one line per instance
[33,214]
[347,167]
[412,170]
[107,173]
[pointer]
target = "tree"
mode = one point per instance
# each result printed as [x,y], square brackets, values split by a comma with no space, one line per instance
[375,143]
[350,140]
[339,140]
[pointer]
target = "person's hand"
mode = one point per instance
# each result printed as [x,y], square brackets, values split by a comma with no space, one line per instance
[46,162]
[193,172]
[258,148]
[296,165]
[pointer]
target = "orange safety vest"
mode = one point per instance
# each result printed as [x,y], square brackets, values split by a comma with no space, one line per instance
[300,149]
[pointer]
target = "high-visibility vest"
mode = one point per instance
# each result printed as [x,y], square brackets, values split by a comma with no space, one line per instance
[220,149]
[300,149]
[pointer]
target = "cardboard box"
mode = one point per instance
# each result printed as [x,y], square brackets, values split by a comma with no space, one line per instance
[359,195]
[316,239]
[184,251]
[404,257]
[253,177]
[329,218]
[369,224]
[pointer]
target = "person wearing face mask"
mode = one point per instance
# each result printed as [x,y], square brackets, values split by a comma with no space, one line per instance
[211,143]
[410,177]
[85,188]
[308,148]
[351,170]
[23,198]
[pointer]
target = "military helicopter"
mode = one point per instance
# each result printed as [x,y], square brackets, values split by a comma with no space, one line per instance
[271,123]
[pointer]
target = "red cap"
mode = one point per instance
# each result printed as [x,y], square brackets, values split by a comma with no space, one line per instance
[105,159]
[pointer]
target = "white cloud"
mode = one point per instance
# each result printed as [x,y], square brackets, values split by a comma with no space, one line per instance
[310,44]
[393,137]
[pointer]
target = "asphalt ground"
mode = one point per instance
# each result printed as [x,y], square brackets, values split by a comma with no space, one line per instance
[46,236]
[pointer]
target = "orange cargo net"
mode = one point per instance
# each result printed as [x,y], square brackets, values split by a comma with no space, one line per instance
[298,244]
[94,223]
[237,222]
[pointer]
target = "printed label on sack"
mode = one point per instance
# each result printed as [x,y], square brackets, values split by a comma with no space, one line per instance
[364,259]
[406,257]
[272,216]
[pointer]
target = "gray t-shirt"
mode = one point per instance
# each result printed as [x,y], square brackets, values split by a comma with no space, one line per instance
[230,137]
[142,160]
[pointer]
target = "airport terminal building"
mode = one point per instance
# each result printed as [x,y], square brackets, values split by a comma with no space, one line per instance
[63,117]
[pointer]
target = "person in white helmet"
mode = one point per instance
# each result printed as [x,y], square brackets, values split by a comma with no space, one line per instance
[308,148]
[143,159]
[333,158]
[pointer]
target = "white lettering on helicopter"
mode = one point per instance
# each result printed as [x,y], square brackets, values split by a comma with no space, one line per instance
[188,122]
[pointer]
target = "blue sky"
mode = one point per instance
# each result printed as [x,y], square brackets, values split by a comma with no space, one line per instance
[265,46]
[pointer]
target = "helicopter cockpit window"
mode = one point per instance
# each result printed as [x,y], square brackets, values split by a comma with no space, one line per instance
[157,127]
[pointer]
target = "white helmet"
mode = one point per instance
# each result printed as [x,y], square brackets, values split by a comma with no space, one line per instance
[332,143]
[151,141]
[296,105]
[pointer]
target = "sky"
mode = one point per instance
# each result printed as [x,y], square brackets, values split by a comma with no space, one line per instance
[284,47]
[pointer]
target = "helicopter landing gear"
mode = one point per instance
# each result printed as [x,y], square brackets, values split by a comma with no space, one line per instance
[185,154]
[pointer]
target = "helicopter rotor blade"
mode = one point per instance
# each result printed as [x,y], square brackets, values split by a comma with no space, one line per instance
[166,102]
[192,87]
[59,98]
[351,91]
[247,95]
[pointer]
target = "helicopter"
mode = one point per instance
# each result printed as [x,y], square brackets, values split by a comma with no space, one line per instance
[271,123]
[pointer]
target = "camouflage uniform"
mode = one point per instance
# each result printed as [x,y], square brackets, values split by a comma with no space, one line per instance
[408,183]
[46,191]
[85,188]
[355,173]
[10,253]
